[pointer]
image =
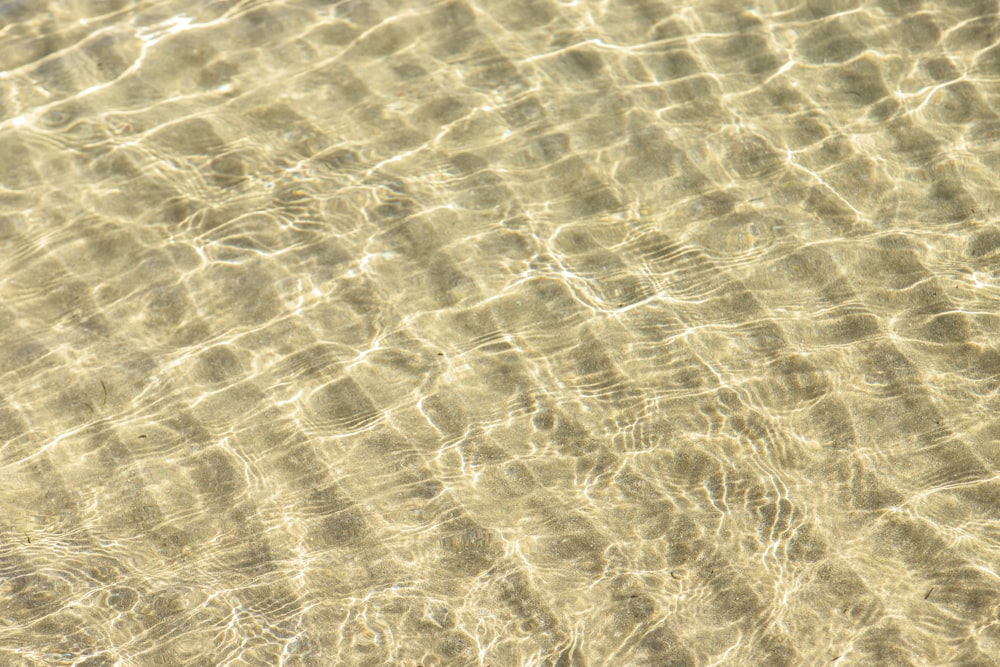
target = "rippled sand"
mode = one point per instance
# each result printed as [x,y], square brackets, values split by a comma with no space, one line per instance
[507,332]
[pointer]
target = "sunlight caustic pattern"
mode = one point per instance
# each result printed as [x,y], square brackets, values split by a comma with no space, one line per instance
[499,333]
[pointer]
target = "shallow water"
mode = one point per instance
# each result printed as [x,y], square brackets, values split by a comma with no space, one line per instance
[499,333]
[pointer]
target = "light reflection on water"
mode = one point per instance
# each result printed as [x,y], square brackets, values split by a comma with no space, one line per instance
[515,333]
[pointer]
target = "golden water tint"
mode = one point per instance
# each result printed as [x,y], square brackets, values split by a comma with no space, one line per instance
[499,333]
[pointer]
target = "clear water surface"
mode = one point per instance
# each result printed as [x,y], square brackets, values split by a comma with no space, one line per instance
[499,332]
